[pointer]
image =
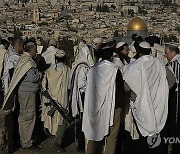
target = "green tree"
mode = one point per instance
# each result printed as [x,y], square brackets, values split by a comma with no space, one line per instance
[44,43]
[43,24]
[153,18]
[67,46]
[113,6]
[116,34]
[177,28]
[131,12]
[170,38]
[142,10]
[90,8]
[25,1]
[62,8]
[98,8]
[17,33]
[105,8]
[69,2]
[122,14]
[167,2]
[174,9]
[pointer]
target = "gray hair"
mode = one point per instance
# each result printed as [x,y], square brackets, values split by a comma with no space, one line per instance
[173,47]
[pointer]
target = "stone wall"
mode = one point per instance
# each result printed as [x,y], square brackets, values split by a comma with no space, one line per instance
[6,132]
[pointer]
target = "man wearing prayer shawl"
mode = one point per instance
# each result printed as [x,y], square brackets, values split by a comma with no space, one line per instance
[49,54]
[10,61]
[172,54]
[55,81]
[77,87]
[104,98]
[96,44]
[121,59]
[156,48]
[3,52]
[148,79]
[25,82]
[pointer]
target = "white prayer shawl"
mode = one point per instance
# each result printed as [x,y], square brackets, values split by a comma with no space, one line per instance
[147,79]
[24,63]
[49,55]
[11,59]
[10,48]
[130,126]
[123,67]
[3,52]
[129,121]
[127,66]
[158,51]
[39,49]
[83,48]
[75,50]
[99,104]
[77,82]
[117,61]
[132,51]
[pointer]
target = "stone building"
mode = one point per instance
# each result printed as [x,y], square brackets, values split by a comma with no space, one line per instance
[36,15]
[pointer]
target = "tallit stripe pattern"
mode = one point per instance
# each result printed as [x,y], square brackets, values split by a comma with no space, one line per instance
[176,69]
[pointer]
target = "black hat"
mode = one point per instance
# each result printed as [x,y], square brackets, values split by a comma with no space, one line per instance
[108,45]
[106,49]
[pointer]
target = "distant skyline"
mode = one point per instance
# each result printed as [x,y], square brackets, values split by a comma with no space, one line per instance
[54,2]
[40,20]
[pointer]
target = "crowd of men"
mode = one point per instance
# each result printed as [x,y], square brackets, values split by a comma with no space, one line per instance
[114,97]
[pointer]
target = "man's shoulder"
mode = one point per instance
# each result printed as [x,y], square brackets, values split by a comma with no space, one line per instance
[3,52]
[176,59]
[26,59]
[50,69]
[13,59]
[11,56]
[81,65]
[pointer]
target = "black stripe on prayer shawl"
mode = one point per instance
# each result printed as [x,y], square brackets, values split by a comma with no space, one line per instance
[176,68]
[73,77]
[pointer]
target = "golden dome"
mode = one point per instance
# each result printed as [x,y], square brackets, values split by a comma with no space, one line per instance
[137,24]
